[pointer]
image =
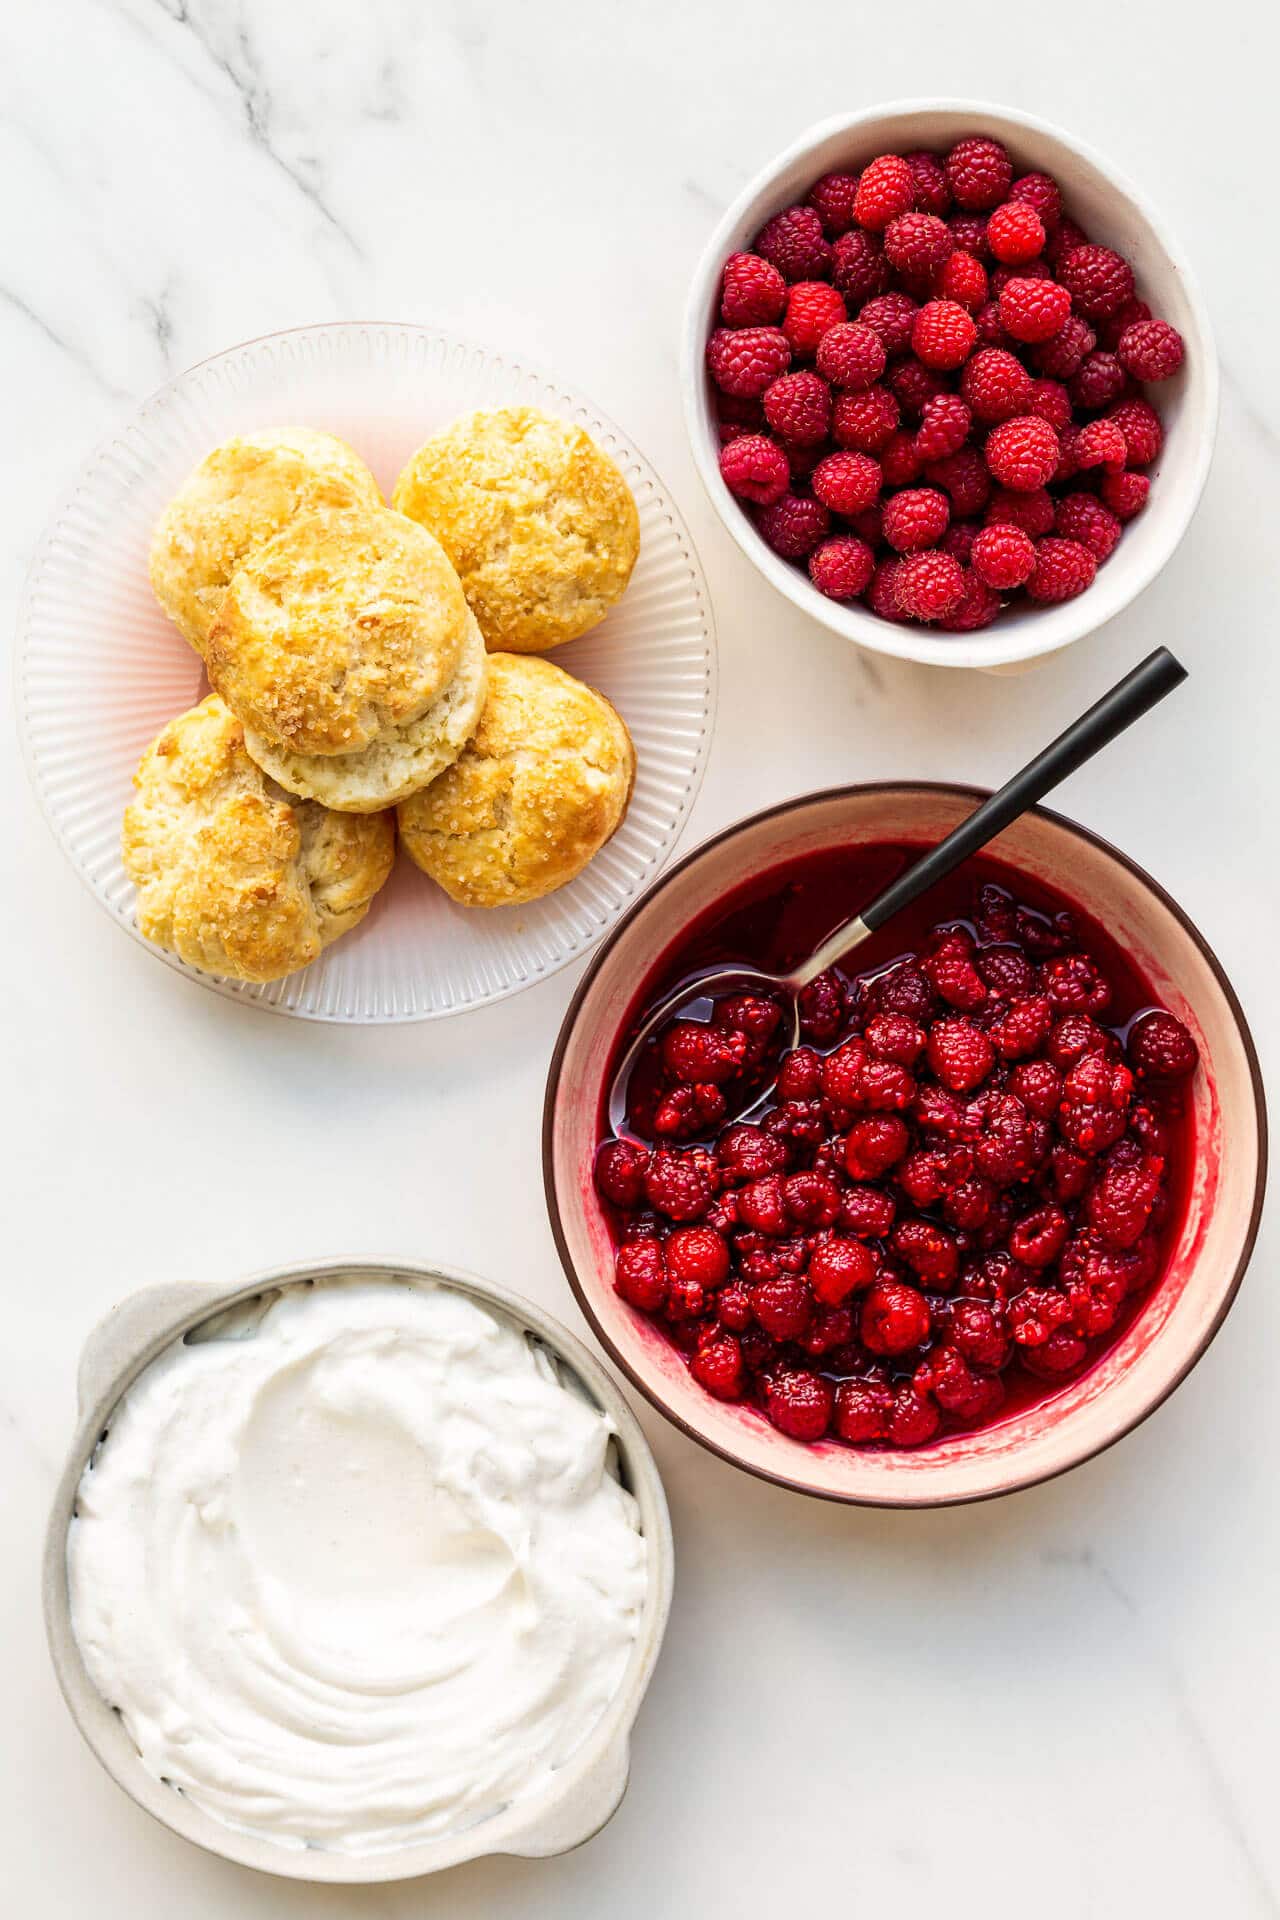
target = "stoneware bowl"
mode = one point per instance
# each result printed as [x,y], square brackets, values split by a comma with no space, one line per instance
[1206,1264]
[588,1788]
[1111,212]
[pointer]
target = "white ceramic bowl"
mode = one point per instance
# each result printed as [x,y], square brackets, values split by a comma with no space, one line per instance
[587,1789]
[1113,213]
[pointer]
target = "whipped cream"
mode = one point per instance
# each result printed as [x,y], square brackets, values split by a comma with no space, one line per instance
[353,1566]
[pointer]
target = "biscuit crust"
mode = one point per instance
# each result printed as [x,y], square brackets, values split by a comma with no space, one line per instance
[238,498]
[542,787]
[338,632]
[234,876]
[538,521]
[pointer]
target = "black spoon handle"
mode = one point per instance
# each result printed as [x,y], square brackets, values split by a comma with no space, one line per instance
[1127,701]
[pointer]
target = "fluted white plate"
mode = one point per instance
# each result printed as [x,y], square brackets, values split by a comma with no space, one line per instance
[100,670]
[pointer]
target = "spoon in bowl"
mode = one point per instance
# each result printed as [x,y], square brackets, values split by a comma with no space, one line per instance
[1127,701]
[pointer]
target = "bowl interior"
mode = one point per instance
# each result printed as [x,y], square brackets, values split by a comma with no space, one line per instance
[1205,1263]
[1112,212]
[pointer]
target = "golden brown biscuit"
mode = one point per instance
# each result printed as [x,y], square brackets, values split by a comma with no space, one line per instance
[543,785]
[239,496]
[538,521]
[232,875]
[339,632]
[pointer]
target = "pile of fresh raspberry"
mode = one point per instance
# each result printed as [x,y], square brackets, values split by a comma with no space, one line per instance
[923,353]
[959,1180]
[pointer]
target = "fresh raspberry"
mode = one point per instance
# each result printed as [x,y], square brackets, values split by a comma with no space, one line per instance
[839,1266]
[1112,330]
[895,1318]
[864,421]
[1098,280]
[744,362]
[882,594]
[620,1169]
[752,292]
[928,586]
[1039,190]
[793,525]
[913,385]
[1067,236]
[1050,401]
[1015,233]
[958,540]
[944,426]
[965,478]
[979,173]
[900,463]
[841,568]
[755,468]
[869,525]
[987,321]
[892,317]
[1100,444]
[1022,453]
[916,518]
[886,189]
[803,460]
[692,1050]
[1033,511]
[640,1275]
[1063,569]
[858,267]
[960,1054]
[995,385]
[798,406]
[943,335]
[1160,1048]
[717,1366]
[1125,494]
[793,242]
[799,1403]
[969,232]
[1004,557]
[1033,310]
[677,1184]
[964,280]
[1079,516]
[847,482]
[813,307]
[933,195]
[874,1144]
[851,356]
[1143,434]
[918,244]
[698,1253]
[1028,270]
[1097,381]
[832,200]
[1065,353]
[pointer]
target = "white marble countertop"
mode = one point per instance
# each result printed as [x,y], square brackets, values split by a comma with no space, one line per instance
[1059,1704]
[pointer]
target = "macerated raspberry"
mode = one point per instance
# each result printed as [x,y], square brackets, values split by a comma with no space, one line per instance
[913,385]
[1040,190]
[1098,279]
[717,1366]
[1161,1048]
[793,524]
[798,406]
[963,278]
[899,462]
[752,292]
[944,426]
[1050,401]
[916,518]
[1021,453]
[1125,493]
[995,385]
[1152,350]
[697,1253]
[1015,233]
[928,586]
[619,1172]
[1064,354]
[933,195]
[1100,444]
[886,189]
[640,1275]
[813,307]
[1004,557]
[851,356]
[676,1183]
[799,1403]
[1063,569]
[694,1051]
[841,568]
[979,173]
[882,594]
[960,1054]
[1079,516]
[964,478]
[1033,511]
[858,267]
[929,1251]
[894,1318]
[892,317]
[847,482]
[943,334]
[1097,381]
[864,420]
[1033,310]
[918,243]
[832,200]
[755,468]
[745,360]
[793,242]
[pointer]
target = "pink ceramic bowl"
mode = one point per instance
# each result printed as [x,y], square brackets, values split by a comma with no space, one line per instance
[1206,1265]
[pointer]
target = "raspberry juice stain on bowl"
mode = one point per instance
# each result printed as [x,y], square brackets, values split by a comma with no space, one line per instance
[948,1201]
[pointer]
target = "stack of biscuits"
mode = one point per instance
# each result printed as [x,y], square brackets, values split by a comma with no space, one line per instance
[369,662]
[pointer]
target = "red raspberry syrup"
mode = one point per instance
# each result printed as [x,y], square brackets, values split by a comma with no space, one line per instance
[954,1195]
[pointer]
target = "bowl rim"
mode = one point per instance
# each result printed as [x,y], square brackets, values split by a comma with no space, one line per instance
[857,790]
[1056,627]
[588,1788]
